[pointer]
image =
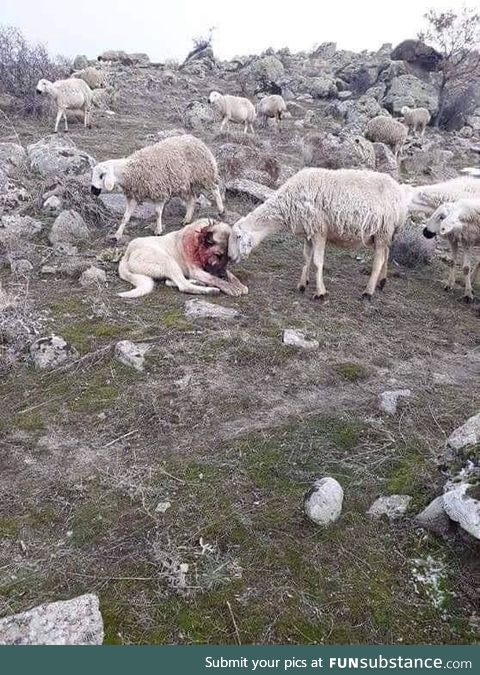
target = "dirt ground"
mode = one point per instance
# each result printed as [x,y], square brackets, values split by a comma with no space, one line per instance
[231,427]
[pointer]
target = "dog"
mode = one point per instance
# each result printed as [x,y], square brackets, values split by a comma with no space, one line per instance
[193,259]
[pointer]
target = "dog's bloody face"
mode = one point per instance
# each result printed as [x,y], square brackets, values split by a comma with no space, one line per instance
[213,248]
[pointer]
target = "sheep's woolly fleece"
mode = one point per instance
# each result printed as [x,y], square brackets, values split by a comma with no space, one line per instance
[386,130]
[236,108]
[177,166]
[346,204]
[432,196]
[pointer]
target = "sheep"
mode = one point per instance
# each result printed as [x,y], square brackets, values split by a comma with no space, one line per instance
[416,119]
[460,222]
[471,171]
[425,199]
[234,109]
[273,106]
[176,166]
[383,129]
[342,206]
[92,76]
[68,94]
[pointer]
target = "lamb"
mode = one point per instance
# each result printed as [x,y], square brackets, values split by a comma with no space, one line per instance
[343,206]
[416,119]
[273,107]
[460,222]
[92,76]
[234,109]
[383,129]
[68,94]
[177,166]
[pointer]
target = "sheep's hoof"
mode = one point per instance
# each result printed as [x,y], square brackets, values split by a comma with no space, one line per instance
[446,287]
[302,287]
[381,284]
[367,297]
[321,297]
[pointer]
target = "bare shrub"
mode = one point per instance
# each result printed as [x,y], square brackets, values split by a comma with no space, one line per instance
[22,64]
[19,326]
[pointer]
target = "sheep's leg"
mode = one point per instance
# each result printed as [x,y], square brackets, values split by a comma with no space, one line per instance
[65,120]
[379,259]
[159,211]
[230,286]
[252,129]
[190,210]
[383,274]
[174,272]
[475,272]
[218,200]
[245,127]
[450,281]
[131,204]
[318,246]
[307,256]
[58,118]
[467,268]
[222,125]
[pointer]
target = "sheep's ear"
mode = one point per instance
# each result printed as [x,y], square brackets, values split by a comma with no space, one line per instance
[109,179]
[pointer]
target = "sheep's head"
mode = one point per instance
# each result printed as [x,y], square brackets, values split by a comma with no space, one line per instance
[214,96]
[405,109]
[442,221]
[240,244]
[103,178]
[42,86]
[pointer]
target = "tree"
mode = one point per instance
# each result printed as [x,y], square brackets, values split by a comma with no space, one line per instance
[456,35]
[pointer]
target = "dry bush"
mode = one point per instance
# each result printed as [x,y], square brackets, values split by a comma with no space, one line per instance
[19,326]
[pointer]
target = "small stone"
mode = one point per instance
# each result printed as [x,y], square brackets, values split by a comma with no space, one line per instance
[52,204]
[201,309]
[295,338]
[388,400]
[94,276]
[463,509]
[69,228]
[467,434]
[21,267]
[392,506]
[68,622]
[52,351]
[434,518]
[323,502]
[162,507]
[131,354]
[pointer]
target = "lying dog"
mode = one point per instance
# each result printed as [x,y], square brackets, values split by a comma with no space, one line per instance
[194,259]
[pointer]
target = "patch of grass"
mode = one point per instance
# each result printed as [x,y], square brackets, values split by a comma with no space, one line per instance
[9,527]
[31,422]
[85,333]
[351,371]
[67,306]
[174,319]
[411,475]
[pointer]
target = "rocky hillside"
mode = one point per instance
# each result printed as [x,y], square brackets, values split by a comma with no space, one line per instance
[167,455]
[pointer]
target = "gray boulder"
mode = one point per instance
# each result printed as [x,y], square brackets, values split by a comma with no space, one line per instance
[417,53]
[434,517]
[93,276]
[257,191]
[295,338]
[410,90]
[385,161]
[56,156]
[261,74]
[388,400]
[198,115]
[68,622]
[52,351]
[68,228]
[131,354]
[201,309]
[116,203]
[18,227]
[323,502]
[337,151]
[466,435]
[13,157]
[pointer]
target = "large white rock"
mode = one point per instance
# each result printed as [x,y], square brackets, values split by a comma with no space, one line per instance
[56,156]
[388,400]
[201,309]
[295,338]
[131,354]
[52,351]
[392,506]
[68,622]
[467,434]
[323,502]
[463,509]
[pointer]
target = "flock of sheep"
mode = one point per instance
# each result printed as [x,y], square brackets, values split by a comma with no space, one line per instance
[346,207]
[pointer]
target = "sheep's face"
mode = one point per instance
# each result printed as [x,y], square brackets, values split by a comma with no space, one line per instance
[240,244]
[442,221]
[103,178]
[404,110]
[214,97]
[41,86]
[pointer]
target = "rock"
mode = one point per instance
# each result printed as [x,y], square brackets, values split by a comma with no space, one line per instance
[417,53]
[410,90]
[21,267]
[68,228]
[70,265]
[116,203]
[52,351]
[323,86]
[15,227]
[295,338]
[93,276]
[392,506]
[434,163]
[467,434]
[162,507]
[410,248]
[256,191]
[80,62]
[201,309]
[67,622]
[337,152]
[434,517]
[131,354]
[323,502]
[463,509]
[11,195]
[12,157]
[262,74]
[102,99]
[52,204]
[56,156]
[326,50]
[385,161]
[388,400]
[198,115]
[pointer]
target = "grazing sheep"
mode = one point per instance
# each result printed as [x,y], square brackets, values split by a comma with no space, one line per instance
[234,109]
[92,76]
[68,94]
[179,166]
[273,107]
[416,119]
[344,206]
[459,222]
[386,130]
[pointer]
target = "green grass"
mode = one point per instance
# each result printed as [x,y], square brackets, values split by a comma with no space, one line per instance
[351,371]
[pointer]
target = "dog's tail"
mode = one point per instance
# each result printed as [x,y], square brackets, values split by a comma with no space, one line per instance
[143,284]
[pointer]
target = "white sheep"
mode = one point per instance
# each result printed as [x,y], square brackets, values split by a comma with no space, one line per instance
[271,107]
[383,129]
[94,77]
[72,94]
[179,166]
[459,222]
[234,109]
[344,206]
[416,119]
